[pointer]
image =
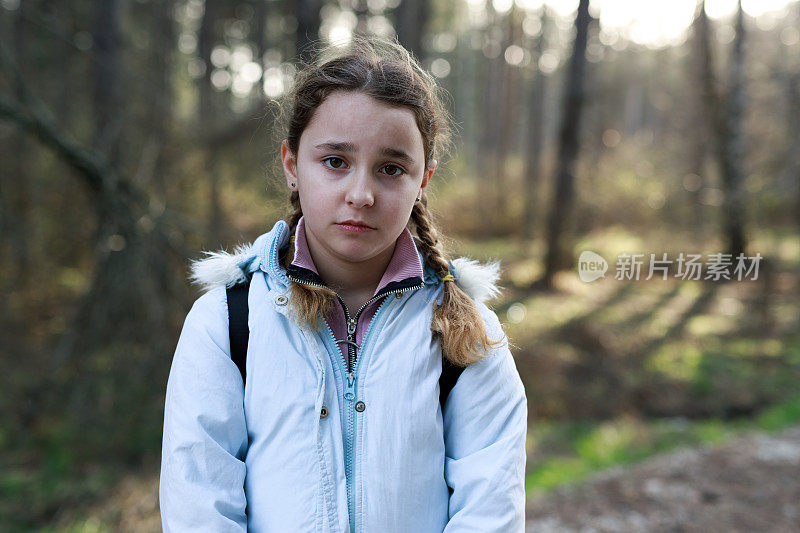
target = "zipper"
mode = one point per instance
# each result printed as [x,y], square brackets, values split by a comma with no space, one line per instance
[350,428]
[352,325]
[348,389]
[349,373]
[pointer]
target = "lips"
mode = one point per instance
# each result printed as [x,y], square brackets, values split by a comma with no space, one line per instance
[355,223]
[354,226]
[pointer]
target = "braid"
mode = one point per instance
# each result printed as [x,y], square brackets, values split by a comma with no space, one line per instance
[308,302]
[294,218]
[429,238]
[457,320]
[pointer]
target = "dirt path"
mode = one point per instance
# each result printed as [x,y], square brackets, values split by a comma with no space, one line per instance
[751,483]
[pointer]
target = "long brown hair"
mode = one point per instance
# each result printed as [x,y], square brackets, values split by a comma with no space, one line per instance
[387,72]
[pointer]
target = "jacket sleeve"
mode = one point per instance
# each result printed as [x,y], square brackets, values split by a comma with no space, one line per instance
[485,426]
[205,435]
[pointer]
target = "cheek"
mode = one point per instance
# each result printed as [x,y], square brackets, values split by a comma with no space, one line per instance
[314,197]
[401,210]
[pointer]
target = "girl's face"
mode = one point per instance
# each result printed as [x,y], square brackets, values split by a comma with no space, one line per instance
[360,167]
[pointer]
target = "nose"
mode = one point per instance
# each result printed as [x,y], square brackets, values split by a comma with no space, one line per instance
[360,190]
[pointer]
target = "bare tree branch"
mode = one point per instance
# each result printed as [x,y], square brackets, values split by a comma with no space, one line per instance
[31,115]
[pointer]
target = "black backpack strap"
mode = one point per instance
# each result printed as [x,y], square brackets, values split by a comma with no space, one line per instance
[450,374]
[447,380]
[238,328]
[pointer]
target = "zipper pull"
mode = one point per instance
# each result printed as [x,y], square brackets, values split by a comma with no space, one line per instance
[350,390]
[351,326]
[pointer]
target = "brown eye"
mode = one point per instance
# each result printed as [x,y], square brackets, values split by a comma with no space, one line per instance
[335,162]
[394,170]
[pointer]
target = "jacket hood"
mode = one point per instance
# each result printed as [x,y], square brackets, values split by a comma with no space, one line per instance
[478,280]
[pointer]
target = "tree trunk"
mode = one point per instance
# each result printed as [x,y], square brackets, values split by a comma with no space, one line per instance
[733,171]
[791,173]
[465,95]
[535,137]
[308,21]
[15,197]
[260,39]
[700,117]
[490,126]
[107,79]
[207,119]
[561,206]
[726,118]
[509,105]
[161,109]
[410,23]
[117,327]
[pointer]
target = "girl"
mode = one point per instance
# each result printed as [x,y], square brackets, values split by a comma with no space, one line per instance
[355,327]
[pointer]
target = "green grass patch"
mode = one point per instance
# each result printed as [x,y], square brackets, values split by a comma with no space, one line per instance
[89,525]
[780,416]
[571,451]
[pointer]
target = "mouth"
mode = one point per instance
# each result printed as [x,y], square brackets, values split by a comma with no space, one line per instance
[355,226]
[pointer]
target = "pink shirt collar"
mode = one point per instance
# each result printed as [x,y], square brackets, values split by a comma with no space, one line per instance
[405,262]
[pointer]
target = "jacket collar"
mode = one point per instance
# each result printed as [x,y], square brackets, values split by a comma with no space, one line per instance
[403,271]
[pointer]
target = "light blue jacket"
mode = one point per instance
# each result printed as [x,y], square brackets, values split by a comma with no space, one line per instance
[264,456]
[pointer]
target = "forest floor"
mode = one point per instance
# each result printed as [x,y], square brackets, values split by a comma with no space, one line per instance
[749,483]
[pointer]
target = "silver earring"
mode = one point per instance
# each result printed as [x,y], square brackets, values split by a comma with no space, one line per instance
[419,198]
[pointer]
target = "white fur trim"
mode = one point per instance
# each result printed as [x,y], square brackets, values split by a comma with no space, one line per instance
[221,268]
[478,280]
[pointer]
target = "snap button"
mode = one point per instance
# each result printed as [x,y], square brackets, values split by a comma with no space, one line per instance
[281,299]
[360,406]
[323,413]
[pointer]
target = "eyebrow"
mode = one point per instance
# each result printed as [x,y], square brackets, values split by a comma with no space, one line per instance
[345,146]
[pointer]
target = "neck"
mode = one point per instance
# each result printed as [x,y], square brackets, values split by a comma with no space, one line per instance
[355,283]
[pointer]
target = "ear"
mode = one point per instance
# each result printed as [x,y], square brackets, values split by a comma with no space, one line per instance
[427,175]
[289,165]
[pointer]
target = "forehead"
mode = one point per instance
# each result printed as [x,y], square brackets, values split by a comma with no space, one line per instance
[368,123]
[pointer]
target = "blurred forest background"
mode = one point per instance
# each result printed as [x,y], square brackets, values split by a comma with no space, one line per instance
[134,134]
